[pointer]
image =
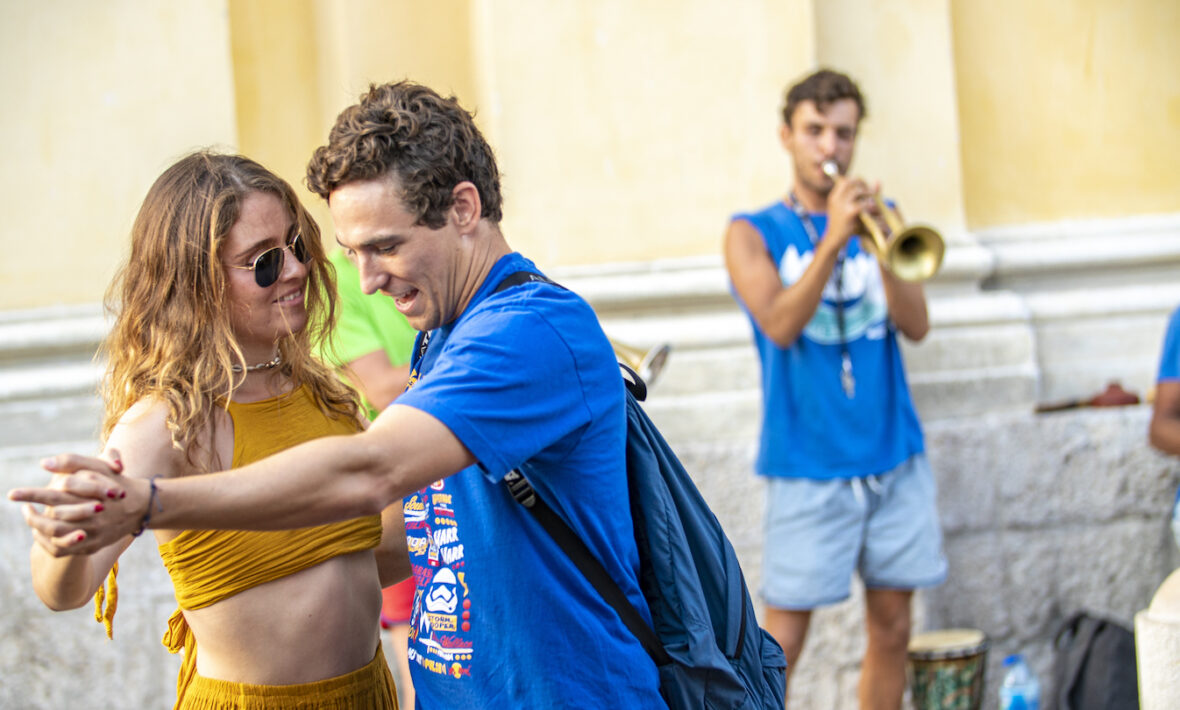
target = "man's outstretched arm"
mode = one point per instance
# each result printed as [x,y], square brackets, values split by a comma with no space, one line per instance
[1164,432]
[324,480]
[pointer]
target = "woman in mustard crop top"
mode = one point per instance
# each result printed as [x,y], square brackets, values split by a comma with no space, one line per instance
[210,367]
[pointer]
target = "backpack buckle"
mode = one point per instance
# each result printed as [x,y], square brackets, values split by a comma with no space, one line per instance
[520,488]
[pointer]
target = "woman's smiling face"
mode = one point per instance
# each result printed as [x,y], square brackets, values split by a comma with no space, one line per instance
[260,316]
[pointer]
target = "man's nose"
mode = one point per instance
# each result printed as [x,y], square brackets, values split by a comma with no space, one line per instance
[371,278]
[827,143]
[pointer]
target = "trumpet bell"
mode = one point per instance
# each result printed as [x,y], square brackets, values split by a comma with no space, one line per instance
[916,253]
[648,364]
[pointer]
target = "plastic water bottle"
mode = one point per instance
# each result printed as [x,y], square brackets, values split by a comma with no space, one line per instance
[1020,689]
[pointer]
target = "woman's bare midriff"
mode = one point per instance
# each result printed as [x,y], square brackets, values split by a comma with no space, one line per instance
[319,623]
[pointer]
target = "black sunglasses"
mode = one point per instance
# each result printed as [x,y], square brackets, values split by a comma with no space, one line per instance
[269,263]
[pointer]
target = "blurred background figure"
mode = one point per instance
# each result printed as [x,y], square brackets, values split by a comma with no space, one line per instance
[370,345]
[1165,417]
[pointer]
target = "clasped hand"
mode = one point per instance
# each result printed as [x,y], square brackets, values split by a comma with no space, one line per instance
[86,506]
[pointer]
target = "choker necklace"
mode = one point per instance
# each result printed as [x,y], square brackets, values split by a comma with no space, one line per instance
[268,365]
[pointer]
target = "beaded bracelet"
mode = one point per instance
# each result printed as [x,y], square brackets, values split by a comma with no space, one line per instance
[147,516]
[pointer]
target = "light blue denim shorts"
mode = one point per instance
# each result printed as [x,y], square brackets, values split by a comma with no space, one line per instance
[818,532]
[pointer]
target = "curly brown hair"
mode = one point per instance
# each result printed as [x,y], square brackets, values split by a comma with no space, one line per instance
[172,338]
[430,143]
[823,87]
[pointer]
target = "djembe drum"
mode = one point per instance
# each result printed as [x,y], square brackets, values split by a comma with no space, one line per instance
[946,668]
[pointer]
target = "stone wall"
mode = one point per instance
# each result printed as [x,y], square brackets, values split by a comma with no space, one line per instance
[1042,515]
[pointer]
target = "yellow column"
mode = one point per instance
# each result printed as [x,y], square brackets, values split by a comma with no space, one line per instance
[901,55]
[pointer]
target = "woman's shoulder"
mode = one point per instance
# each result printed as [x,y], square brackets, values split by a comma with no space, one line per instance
[143,433]
[147,419]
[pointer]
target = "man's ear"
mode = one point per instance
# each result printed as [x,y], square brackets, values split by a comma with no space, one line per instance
[466,207]
[784,135]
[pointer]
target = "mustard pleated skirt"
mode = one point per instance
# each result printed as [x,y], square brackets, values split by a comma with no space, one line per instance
[367,688]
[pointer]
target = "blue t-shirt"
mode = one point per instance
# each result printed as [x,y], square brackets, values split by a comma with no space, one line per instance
[1170,358]
[810,427]
[526,379]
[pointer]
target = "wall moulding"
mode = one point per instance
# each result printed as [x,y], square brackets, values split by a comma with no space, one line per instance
[1048,255]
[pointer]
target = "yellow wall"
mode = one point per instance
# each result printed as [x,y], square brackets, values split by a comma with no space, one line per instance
[626,130]
[900,55]
[1069,108]
[623,132]
[99,98]
[297,63]
[276,84]
[631,130]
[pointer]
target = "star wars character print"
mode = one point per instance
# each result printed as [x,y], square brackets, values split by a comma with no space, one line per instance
[440,624]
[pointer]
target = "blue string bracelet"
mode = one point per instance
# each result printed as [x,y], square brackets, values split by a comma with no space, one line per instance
[147,516]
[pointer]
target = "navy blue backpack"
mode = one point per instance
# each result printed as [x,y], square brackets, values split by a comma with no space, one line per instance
[706,641]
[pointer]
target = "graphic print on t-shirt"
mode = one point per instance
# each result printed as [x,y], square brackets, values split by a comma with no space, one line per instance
[864,298]
[440,621]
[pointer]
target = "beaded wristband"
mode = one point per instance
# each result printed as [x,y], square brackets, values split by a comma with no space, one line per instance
[147,516]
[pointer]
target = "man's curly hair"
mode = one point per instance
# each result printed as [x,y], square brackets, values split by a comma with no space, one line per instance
[824,87]
[429,143]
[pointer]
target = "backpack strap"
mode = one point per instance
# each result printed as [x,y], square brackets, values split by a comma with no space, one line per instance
[635,384]
[516,278]
[573,546]
[523,492]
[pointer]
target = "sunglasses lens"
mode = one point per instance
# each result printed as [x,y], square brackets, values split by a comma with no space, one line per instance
[300,250]
[267,267]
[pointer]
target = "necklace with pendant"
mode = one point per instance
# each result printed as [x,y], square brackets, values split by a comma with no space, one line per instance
[268,365]
[847,380]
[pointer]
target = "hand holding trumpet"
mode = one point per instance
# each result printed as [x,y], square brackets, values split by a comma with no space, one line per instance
[912,253]
[848,201]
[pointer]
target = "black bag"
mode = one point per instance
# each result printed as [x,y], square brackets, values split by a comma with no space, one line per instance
[1094,667]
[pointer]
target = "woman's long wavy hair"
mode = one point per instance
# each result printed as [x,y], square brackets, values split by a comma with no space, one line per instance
[172,338]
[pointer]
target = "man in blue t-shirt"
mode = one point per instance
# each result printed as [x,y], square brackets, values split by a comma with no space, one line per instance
[520,378]
[1165,416]
[848,483]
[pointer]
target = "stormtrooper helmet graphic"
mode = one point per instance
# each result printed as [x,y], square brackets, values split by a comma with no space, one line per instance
[442,597]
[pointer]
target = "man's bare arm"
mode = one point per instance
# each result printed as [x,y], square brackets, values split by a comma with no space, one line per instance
[780,312]
[324,480]
[393,554]
[906,302]
[1164,432]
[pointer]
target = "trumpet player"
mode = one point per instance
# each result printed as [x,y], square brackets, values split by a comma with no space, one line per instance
[848,485]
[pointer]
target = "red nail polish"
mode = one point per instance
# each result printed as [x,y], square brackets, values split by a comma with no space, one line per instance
[122,494]
[111,493]
[98,507]
[81,537]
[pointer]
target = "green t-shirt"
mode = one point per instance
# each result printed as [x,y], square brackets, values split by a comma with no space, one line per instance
[365,322]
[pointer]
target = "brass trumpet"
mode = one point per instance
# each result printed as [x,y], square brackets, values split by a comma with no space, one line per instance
[646,363]
[912,253]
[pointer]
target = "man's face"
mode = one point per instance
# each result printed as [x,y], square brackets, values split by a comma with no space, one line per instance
[420,268]
[813,137]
